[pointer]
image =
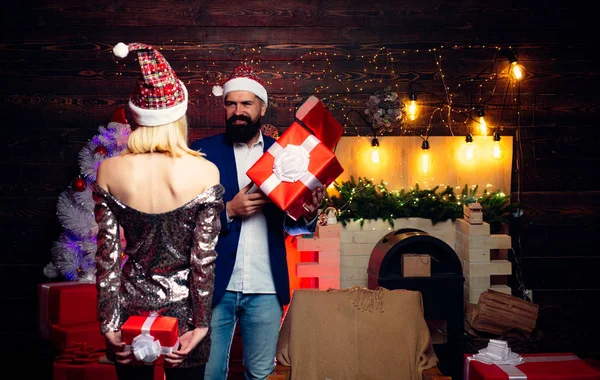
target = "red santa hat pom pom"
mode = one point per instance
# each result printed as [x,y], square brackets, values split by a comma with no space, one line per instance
[217,91]
[121,50]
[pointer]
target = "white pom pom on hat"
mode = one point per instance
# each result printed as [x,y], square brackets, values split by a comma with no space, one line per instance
[121,50]
[217,91]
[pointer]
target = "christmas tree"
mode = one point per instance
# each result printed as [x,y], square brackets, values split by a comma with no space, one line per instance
[73,254]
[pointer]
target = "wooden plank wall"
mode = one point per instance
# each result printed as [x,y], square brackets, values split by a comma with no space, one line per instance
[60,82]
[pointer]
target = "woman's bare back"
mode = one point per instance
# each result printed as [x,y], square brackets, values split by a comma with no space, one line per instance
[154,182]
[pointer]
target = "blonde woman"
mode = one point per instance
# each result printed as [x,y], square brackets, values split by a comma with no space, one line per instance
[167,198]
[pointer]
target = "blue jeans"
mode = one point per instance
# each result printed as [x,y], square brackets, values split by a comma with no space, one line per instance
[260,319]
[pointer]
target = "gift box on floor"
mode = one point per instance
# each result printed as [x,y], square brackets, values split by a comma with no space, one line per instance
[80,361]
[65,303]
[151,337]
[552,366]
[62,336]
[299,162]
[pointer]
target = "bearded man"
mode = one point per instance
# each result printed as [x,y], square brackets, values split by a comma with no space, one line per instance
[251,274]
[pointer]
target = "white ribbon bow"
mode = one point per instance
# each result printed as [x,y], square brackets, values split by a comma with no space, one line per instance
[291,165]
[145,348]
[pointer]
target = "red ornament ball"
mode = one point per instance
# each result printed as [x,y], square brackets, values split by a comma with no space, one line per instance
[79,184]
[101,150]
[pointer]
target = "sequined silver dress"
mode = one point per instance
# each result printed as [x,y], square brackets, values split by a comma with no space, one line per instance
[169,267]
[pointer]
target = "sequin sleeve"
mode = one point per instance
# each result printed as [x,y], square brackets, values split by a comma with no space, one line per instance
[108,264]
[203,256]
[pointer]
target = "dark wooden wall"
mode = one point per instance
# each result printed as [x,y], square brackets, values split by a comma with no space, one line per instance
[60,81]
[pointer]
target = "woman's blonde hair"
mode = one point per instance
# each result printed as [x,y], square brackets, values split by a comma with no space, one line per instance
[167,138]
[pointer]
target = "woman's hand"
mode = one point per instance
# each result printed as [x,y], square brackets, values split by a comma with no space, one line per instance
[115,344]
[187,342]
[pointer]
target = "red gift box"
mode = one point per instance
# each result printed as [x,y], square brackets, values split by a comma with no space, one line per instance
[293,167]
[150,338]
[315,116]
[64,335]
[65,303]
[552,366]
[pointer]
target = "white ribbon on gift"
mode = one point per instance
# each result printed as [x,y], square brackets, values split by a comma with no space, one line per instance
[291,165]
[499,354]
[145,347]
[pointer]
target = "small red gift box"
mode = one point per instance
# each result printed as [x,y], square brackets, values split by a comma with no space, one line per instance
[150,338]
[293,167]
[552,366]
[65,303]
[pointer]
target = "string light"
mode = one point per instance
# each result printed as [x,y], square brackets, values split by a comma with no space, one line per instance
[375,151]
[412,106]
[425,163]
[470,148]
[496,149]
[483,129]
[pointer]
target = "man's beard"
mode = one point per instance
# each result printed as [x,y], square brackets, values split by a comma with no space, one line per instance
[241,133]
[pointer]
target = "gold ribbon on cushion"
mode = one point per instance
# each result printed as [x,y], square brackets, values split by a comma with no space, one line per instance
[515,373]
[291,165]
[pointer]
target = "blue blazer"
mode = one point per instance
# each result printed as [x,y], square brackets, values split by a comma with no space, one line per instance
[220,152]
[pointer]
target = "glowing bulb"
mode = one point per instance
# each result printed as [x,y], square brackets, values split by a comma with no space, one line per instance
[412,106]
[482,123]
[496,149]
[482,126]
[375,151]
[425,157]
[517,71]
[469,150]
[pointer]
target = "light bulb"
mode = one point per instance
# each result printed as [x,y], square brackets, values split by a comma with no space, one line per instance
[375,151]
[375,155]
[412,106]
[482,126]
[425,157]
[517,71]
[496,149]
[482,123]
[469,150]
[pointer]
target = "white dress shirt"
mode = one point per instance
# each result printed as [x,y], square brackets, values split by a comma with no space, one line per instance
[252,269]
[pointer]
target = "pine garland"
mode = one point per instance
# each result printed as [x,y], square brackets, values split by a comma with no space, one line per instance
[362,200]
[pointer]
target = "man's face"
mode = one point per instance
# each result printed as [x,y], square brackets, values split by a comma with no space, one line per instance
[243,111]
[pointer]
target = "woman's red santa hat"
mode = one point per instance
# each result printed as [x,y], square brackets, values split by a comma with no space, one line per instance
[159,97]
[243,78]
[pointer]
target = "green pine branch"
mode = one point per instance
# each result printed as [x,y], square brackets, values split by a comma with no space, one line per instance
[364,200]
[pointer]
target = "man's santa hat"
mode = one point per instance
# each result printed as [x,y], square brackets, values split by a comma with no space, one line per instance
[243,78]
[159,97]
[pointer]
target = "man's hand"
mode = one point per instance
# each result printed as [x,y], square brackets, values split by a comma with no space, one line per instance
[116,345]
[244,204]
[313,208]
[188,342]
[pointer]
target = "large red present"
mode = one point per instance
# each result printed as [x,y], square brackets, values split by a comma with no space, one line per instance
[299,162]
[551,366]
[64,335]
[317,118]
[151,337]
[65,303]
